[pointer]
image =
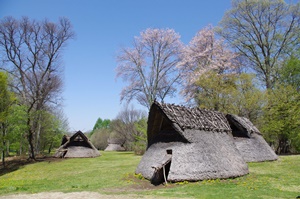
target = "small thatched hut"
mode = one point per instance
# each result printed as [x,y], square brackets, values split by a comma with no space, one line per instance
[77,146]
[189,144]
[115,144]
[249,140]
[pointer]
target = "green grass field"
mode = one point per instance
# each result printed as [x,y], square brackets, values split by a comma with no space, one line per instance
[113,173]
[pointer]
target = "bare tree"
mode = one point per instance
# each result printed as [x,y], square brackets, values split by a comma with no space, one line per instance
[149,66]
[31,53]
[124,124]
[264,31]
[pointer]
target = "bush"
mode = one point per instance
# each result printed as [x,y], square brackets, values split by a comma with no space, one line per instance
[99,138]
[139,148]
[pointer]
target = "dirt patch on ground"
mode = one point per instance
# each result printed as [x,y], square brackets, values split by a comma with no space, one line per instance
[140,184]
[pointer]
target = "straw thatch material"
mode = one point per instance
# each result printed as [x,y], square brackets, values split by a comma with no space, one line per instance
[201,143]
[249,140]
[77,146]
[115,144]
[114,147]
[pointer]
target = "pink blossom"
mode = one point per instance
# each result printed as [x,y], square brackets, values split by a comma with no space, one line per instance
[204,53]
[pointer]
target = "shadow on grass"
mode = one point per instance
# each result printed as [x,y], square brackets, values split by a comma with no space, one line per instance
[15,163]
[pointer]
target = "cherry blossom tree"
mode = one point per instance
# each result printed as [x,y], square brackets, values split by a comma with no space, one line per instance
[204,53]
[149,66]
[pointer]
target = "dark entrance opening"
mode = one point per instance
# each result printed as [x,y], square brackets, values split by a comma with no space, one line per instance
[238,132]
[162,170]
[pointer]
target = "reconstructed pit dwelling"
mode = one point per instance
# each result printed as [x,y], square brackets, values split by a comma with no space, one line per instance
[76,146]
[192,144]
[115,144]
[249,141]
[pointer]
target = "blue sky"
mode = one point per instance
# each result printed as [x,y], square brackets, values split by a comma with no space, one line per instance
[102,27]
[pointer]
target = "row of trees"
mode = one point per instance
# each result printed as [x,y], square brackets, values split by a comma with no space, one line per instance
[127,129]
[31,66]
[248,65]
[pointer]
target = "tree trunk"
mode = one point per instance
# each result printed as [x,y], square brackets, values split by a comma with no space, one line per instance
[283,146]
[7,148]
[31,154]
[37,144]
[3,149]
[50,147]
[21,146]
[3,158]
[31,145]
[268,84]
[30,136]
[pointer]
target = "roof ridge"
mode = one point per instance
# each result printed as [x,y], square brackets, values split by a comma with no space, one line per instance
[195,117]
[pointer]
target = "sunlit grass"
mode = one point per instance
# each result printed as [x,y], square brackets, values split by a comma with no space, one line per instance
[68,175]
[278,179]
[110,173]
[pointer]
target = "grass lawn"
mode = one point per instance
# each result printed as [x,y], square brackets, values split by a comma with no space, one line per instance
[112,173]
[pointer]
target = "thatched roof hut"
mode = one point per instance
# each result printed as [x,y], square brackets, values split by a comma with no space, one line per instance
[76,146]
[249,140]
[115,144]
[189,144]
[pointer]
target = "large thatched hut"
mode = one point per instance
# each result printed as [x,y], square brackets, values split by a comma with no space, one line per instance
[189,144]
[76,146]
[249,140]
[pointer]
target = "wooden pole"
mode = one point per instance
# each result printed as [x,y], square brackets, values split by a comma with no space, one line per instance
[165,174]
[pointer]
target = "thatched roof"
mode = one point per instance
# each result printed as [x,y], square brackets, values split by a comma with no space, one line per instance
[115,144]
[176,119]
[78,145]
[242,124]
[64,139]
[194,118]
[114,147]
[119,141]
[249,140]
[255,149]
[201,142]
